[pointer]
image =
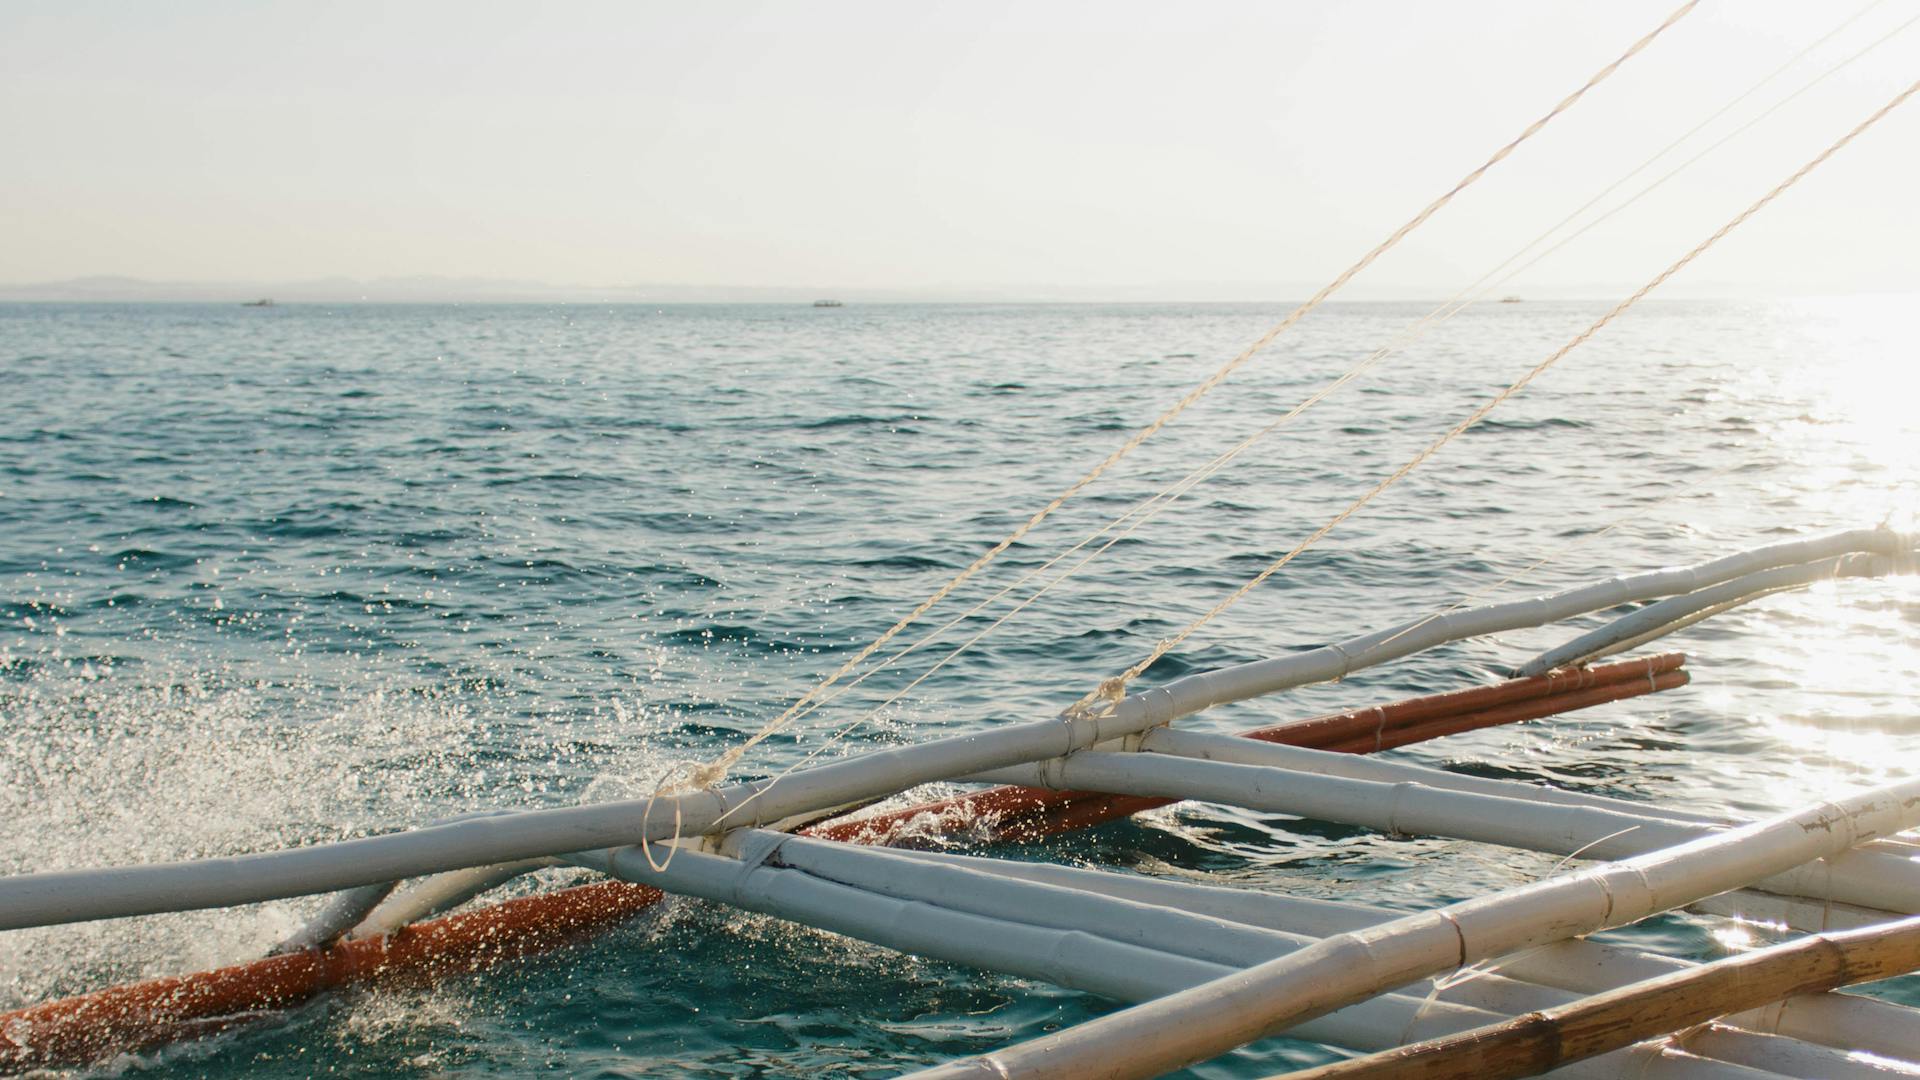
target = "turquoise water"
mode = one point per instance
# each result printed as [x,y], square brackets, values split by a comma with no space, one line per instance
[298,573]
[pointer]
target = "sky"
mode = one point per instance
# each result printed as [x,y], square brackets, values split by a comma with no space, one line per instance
[1049,150]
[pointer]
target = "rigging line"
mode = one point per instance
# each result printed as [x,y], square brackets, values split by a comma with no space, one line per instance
[1688,134]
[1147,509]
[1109,692]
[1690,484]
[1459,304]
[1460,301]
[1169,496]
[714,771]
[1630,514]
[1164,499]
[1683,166]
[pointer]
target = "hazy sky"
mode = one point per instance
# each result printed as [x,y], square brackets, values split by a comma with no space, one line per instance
[1229,149]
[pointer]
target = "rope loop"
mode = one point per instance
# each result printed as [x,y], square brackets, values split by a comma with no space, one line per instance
[646,849]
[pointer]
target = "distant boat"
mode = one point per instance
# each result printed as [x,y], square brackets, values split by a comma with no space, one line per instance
[265,301]
[828,303]
[1509,299]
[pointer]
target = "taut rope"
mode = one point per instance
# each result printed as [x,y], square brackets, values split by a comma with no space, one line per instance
[716,770]
[1111,690]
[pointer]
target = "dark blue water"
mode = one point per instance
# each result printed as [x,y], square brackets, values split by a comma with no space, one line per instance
[298,573]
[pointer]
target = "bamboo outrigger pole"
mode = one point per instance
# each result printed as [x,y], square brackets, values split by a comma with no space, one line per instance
[139,1015]
[1579,966]
[1076,938]
[1887,879]
[1024,813]
[80,895]
[1194,1025]
[1677,612]
[1550,1038]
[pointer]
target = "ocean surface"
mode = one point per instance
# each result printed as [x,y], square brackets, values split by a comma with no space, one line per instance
[291,574]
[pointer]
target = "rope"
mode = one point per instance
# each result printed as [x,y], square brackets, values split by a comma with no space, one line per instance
[1683,166]
[1683,137]
[714,771]
[1109,692]
[1687,164]
[1149,508]
[1635,513]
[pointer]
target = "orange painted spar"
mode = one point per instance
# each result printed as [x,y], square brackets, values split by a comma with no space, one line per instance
[144,1015]
[141,1015]
[1364,723]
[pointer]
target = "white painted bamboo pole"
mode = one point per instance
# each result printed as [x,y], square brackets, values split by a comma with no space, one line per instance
[1056,907]
[1195,692]
[1672,1063]
[79,895]
[1319,918]
[341,913]
[441,893]
[1675,612]
[1842,1021]
[1790,1057]
[1385,770]
[1846,1021]
[1868,878]
[1074,957]
[1190,1026]
[976,889]
[1679,624]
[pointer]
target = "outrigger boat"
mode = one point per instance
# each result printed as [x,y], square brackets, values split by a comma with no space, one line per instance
[1349,975]
[1502,984]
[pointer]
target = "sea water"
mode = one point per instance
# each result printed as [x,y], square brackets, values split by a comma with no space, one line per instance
[282,575]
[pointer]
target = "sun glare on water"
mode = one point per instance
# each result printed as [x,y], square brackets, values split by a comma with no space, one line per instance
[1851,648]
[1855,362]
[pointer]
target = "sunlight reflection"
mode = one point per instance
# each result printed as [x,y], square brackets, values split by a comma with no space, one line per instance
[1854,363]
[1847,648]
[1733,937]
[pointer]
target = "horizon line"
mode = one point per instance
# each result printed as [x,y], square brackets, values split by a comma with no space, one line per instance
[433,289]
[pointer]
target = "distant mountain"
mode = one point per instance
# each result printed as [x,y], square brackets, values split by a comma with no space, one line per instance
[319,290]
[431,289]
[92,288]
